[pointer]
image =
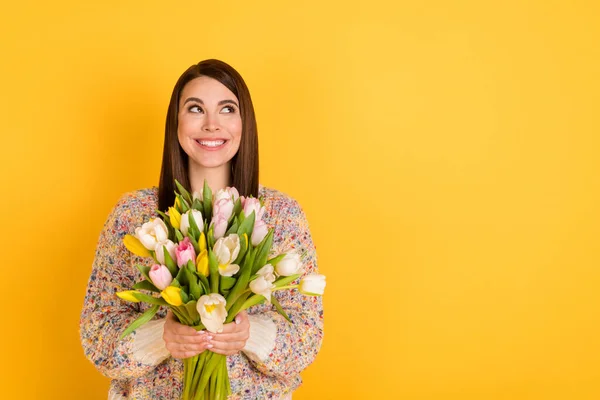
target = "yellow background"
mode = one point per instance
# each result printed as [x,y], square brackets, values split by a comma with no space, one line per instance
[445,152]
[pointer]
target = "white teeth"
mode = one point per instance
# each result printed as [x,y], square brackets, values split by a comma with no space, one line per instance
[211,143]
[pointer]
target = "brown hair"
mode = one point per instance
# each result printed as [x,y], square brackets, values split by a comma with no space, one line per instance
[175,161]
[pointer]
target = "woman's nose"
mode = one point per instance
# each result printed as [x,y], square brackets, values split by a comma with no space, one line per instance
[211,123]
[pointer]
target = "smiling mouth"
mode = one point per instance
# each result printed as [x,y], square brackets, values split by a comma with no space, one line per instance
[210,143]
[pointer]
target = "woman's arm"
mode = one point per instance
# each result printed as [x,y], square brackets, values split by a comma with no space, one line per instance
[104,316]
[277,347]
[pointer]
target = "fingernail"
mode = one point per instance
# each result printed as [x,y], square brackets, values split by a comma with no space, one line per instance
[209,337]
[237,320]
[209,346]
[201,332]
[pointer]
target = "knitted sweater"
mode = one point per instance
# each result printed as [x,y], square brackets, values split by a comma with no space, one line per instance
[140,366]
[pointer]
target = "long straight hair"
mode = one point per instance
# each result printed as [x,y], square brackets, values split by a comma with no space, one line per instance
[175,161]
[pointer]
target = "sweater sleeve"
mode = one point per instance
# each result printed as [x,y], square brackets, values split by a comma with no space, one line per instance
[104,316]
[276,347]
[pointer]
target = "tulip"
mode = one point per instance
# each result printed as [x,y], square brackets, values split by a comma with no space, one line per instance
[267,272]
[202,263]
[134,245]
[128,295]
[202,241]
[219,225]
[253,204]
[212,311]
[227,193]
[263,287]
[259,232]
[185,252]
[198,194]
[227,249]
[185,221]
[160,276]
[312,285]
[151,233]
[174,217]
[172,295]
[289,265]
[224,208]
[160,251]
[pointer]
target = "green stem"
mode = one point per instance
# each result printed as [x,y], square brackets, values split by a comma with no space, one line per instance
[285,287]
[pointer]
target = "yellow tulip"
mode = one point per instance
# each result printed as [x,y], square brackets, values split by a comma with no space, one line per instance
[177,204]
[172,295]
[174,217]
[128,295]
[202,263]
[134,245]
[202,241]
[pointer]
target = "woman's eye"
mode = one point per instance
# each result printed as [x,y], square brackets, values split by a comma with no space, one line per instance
[195,109]
[228,109]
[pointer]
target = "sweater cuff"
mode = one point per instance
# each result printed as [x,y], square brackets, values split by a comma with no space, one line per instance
[148,345]
[261,342]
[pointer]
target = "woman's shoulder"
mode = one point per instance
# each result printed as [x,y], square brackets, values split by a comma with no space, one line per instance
[274,198]
[138,202]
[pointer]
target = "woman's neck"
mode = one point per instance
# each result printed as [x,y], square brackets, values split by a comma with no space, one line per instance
[217,178]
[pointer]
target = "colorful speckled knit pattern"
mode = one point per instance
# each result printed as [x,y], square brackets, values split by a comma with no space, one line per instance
[105,316]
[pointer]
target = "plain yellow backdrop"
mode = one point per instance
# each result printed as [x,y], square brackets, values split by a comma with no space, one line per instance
[445,153]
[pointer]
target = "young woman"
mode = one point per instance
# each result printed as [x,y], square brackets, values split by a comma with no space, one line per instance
[210,134]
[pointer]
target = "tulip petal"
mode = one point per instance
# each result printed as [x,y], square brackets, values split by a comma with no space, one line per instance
[134,245]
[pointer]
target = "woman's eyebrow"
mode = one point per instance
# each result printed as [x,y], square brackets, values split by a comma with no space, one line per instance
[201,102]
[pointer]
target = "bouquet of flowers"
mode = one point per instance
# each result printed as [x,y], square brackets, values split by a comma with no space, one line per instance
[211,259]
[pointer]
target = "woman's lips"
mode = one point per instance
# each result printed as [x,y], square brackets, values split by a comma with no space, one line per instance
[211,144]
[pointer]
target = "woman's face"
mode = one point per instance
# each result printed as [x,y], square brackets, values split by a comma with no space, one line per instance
[210,125]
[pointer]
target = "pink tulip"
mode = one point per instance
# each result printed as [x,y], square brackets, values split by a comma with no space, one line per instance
[185,252]
[160,276]
[259,232]
[219,224]
[223,207]
[253,204]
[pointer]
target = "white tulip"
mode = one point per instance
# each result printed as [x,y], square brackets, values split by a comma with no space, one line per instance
[185,222]
[267,272]
[312,285]
[151,233]
[198,194]
[160,251]
[227,249]
[227,193]
[212,311]
[263,287]
[289,265]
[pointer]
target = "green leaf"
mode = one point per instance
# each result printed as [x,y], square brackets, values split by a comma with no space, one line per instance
[192,311]
[227,282]
[183,191]
[233,228]
[197,205]
[275,260]
[150,299]
[195,288]
[178,235]
[263,253]
[237,206]
[254,300]
[210,238]
[146,285]
[184,294]
[175,283]
[284,280]
[144,270]
[244,244]
[247,225]
[203,282]
[170,263]
[242,282]
[279,308]
[207,200]
[145,317]
[213,267]
[233,309]
[194,241]
[182,276]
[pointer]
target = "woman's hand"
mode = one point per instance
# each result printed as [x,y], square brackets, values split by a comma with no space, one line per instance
[234,336]
[184,341]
